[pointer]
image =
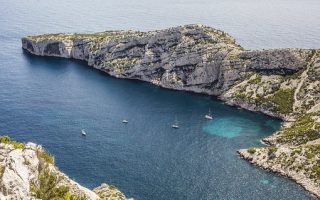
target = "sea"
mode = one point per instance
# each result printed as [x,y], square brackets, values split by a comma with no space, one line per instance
[50,100]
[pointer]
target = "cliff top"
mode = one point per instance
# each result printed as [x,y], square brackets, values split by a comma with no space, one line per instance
[196,31]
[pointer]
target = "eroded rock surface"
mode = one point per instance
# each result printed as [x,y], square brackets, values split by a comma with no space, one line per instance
[20,169]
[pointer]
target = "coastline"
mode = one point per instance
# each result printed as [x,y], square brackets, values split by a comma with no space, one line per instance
[28,171]
[244,79]
[298,178]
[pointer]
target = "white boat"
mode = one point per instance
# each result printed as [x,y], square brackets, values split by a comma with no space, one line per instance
[209,115]
[125,121]
[175,124]
[83,132]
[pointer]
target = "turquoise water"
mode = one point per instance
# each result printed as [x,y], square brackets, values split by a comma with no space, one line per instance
[234,126]
[49,100]
[264,181]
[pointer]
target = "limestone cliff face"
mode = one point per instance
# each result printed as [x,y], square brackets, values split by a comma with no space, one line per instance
[194,57]
[283,83]
[21,169]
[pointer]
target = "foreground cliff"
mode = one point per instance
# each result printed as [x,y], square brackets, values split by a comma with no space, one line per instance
[283,83]
[27,171]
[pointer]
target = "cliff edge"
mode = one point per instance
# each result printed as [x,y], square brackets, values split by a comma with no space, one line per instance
[27,172]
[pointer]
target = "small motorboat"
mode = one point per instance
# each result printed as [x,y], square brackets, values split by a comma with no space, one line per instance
[209,115]
[175,125]
[125,121]
[83,132]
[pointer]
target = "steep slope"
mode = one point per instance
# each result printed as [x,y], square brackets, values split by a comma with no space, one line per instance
[27,171]
[283,83]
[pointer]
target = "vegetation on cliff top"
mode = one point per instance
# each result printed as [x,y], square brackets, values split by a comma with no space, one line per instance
[50,184]
[99,37]
[15,144]
[49,187]
[45,156]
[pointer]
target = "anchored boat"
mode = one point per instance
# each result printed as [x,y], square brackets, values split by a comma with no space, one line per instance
[209,115]
[175,124]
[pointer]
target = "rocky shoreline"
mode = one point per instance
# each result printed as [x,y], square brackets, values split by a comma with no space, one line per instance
[283,83]
[27,171]
[261,159]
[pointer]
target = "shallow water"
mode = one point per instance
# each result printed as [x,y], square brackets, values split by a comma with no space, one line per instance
[49,100]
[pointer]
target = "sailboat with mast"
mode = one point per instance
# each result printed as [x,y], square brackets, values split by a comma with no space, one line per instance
[209,115]
[175,125]
[83,132]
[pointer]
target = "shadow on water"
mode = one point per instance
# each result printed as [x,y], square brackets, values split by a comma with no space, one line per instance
[49,61]
[56,63]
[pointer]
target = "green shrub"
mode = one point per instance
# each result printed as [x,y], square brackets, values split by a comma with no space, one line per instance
[112,187]
[251,150]
[7,140]
[309,155]
[316,170]
[49,187]
[74,197]
[2,168]
[240,95]
[303,130]
[296,151]
[283,100]
[312,134]
[315,148]
[47,157]
[272,150]
[256,80]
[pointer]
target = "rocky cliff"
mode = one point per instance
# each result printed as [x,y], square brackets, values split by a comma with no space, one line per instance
[27,172]
[283,83]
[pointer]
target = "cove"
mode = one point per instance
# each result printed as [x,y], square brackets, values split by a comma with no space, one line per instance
[49,100]
[146,158]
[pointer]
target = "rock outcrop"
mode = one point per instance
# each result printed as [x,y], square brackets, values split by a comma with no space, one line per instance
[24,167]
[283,83]
[297,163]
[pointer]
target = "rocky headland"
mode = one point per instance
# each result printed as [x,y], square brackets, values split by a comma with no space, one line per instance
[283,83]
[27,172]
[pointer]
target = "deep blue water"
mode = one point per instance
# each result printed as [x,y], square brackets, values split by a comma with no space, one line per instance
[49,100]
